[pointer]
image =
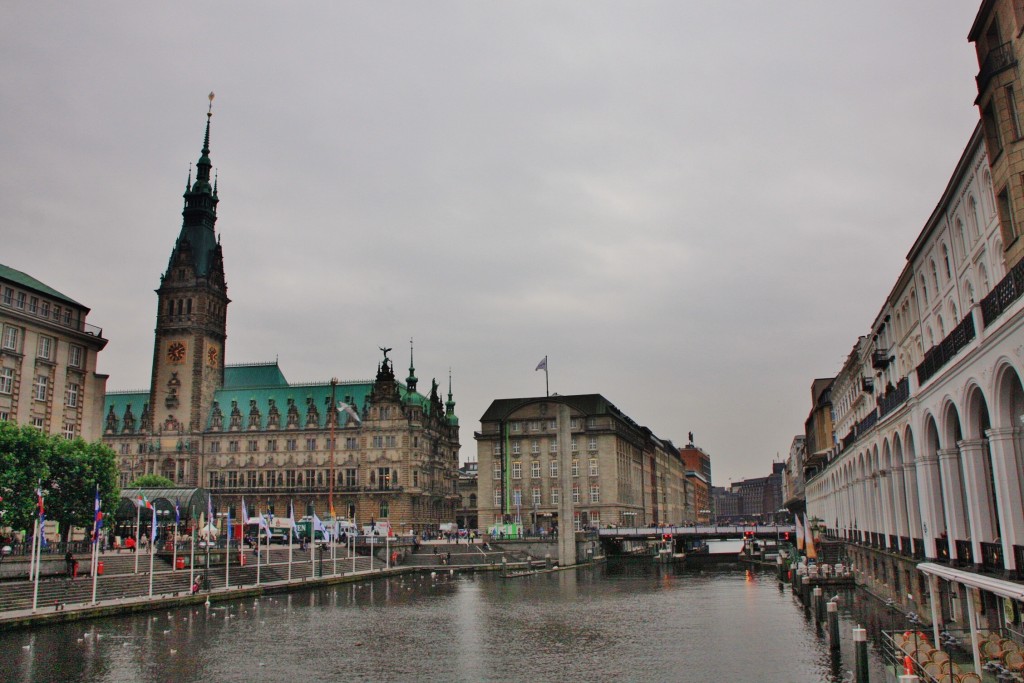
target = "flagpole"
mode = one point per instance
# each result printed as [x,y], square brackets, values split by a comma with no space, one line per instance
[547,391]
[259,554]
[174,547]
[291,537]
[36,551]
[312,547]
[152,551]
[227,554]
[192,557]
[138,520]
[356,528]
[95,563]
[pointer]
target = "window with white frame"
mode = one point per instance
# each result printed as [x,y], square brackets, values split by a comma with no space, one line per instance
[378,441]
[535,426]
[497,470]
[575,467]
[535,469]
[41,384]
[37,422]
[517,470]
[574,423]
[69,430]
[552,424]
[75,356]
[575,446]
[595,493]
[534,446]
[497,448]
[8,295]
[11,337]
[19,301]
[591,422]
[72,395]
[556,496]
[515,426]
[592,443]
[33,304]
[4,416]
[553,446]
[593,467]
[44,309]
[535,495]
[577,522]
[310,444]
[44,349]
[497,497]
[6,380]
[516,448]
[576,493]
[553,469]
[595,518]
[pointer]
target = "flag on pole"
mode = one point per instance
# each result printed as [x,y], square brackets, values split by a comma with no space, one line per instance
[291,518]
[42,516]
[350,410]
[177,512]
[263,524]
[318,526]
[229,525]
[812,554]
[143,502]
[799,533]
[209,508]
[97,521]
[245,512]
[152,531]
[543,365]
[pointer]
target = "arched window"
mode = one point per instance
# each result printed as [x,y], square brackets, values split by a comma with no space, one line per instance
[989,193]
[960,235]
[942,328]
[945,261]
[952,312]
[924,289]
[983,275]
[973,203]
[969,293]
[935,275]
[931,337]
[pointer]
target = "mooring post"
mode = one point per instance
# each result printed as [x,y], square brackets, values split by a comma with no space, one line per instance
[860,654]
[819,597]
[833,625]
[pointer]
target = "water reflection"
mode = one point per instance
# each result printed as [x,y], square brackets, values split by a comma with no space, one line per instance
[633,621]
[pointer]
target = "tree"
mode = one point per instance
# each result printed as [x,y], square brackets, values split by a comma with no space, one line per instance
[76,468]
[67,471]
[23,465]
[151,481]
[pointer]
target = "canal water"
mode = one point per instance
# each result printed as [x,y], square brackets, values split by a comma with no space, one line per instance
[627,620]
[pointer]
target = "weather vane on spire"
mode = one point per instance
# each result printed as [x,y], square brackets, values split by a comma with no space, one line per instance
[209,112]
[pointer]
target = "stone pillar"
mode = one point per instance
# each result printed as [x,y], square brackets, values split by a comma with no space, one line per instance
[910,488]
[566,526]
[952,496]
[885,493]
[933,523]
[899,499]
[979,495]
[1006,472]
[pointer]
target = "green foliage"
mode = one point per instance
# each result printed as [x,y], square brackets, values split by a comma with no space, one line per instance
[68,470]
[151,481]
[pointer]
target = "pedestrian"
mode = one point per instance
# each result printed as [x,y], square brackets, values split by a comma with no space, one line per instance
[74,569]
[69,563]
[130,543]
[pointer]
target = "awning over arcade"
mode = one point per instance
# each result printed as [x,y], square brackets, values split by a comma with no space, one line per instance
[191,502]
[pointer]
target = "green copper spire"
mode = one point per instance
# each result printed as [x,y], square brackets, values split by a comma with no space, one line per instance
[198,237]
[450,403]
[410,381]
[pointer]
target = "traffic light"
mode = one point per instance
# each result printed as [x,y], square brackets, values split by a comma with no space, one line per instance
[666,537]
[785,536]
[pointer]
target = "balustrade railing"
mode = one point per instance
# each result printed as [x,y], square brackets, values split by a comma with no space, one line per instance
[937,356]
[892,400]
[1009,289]
[992,556]
[964,552]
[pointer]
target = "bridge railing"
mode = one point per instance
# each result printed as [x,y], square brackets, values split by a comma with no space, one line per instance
[701,530]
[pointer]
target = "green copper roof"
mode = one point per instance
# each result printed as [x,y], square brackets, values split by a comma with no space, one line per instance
[254,375]
[29,282]
[353,393]
[119,401]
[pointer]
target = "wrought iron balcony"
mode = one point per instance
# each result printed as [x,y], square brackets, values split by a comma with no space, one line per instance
[998,59]
[891,400]
[880,359]
[937,356]
[1009,289]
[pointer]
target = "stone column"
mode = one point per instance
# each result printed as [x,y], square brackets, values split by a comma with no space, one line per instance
[566,525]
[899,499]
[910,488]
[1006,472]
[885,493]
[978,492]
[952,496]
[933,523]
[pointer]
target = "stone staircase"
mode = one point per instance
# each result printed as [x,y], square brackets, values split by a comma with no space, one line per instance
[119,580]
[462,555]
[832,552]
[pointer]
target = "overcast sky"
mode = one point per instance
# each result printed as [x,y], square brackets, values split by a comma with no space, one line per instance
[692,208]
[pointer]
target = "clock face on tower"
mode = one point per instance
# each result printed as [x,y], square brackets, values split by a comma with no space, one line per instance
[176,352]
